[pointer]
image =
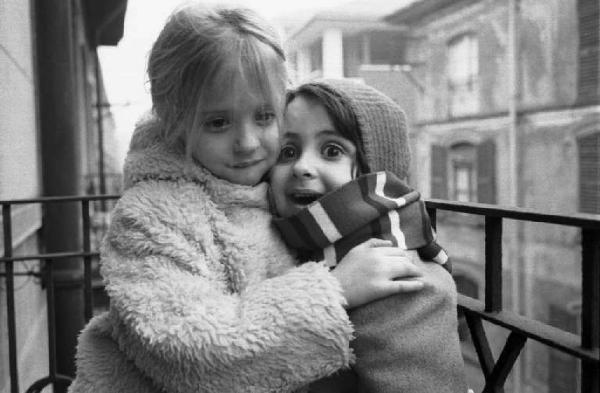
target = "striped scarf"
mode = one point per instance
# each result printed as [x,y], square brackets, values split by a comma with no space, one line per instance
[373,205]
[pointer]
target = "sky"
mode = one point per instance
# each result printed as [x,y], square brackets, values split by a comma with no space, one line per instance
[123,66]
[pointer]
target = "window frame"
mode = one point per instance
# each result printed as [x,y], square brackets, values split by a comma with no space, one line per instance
[463,89]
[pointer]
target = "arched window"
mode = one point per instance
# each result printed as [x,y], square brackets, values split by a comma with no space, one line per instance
[464,172]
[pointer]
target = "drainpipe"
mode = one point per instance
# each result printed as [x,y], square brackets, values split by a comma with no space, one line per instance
[60,137]
[513,134]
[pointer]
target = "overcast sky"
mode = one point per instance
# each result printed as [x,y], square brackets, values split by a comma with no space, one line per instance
[124,65]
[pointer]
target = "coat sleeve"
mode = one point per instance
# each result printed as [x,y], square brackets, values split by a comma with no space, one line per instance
[186,330]
[409,342]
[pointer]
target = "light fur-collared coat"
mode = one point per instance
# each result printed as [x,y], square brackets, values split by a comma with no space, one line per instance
[204,296]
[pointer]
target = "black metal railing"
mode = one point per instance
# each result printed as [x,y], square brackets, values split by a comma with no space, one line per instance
[584,347]
[86,254]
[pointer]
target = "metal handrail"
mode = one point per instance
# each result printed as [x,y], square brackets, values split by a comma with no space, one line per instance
[53,378]
[584,347]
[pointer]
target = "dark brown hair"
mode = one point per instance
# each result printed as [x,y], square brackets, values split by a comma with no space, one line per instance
[342,116]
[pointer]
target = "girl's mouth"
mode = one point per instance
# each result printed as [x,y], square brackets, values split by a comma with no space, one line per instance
[304,198]
[246,164]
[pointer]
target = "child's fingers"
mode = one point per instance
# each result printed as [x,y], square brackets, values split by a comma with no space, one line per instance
[375,242]
[402,286]
[400,266]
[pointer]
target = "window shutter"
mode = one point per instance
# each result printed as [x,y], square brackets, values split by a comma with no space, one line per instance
[486,172]
[439,172]
[563,368]
[589,173]
[588,83]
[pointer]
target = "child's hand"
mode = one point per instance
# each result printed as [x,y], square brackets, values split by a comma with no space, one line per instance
[373,270]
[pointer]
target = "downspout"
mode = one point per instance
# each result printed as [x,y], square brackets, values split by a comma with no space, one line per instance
[60,136]
[513,154]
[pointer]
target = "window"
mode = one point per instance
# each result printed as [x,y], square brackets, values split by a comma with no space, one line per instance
[564,369]
[588,75]
[464,172]
[386,47]
[316,56]
[463,160]
[589,173]
[463,75]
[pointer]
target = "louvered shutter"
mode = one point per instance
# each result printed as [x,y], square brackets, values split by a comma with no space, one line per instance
[486,172]
[588,82]
[563,369]
[439,172]
[589,173]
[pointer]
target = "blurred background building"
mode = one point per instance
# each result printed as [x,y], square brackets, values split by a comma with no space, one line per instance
[503,101]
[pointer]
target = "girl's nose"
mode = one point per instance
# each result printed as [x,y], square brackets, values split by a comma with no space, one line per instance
[303,168]
[247,139]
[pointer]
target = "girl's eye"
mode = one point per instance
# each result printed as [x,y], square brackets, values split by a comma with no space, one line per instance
[287,153]
[265,117]
[217,124]
[332,151]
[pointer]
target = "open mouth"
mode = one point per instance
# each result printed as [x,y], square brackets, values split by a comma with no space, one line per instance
[304,198]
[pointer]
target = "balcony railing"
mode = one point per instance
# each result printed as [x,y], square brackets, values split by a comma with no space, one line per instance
[86,255]
[584,347]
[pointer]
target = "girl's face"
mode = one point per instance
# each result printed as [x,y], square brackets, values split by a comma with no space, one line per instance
[238,136]
[314,158]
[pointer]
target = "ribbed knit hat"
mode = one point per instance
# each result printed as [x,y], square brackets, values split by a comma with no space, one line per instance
[382,125]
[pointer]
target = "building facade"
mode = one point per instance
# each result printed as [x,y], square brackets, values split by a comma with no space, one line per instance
[51,142]
[510,115]
[352,41]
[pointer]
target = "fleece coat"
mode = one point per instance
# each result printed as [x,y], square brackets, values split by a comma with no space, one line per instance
[204,296]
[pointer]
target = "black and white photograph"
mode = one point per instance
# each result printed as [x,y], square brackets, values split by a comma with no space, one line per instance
[315,196]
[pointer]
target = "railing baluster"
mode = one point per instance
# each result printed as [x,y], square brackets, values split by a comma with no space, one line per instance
[590,310]
[505,363]
[480,341]
[87,261]
[10,298]
[493,264]
[51,321]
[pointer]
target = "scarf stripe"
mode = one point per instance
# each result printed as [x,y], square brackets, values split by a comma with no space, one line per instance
[366,184]
[379,191]
[323,221]
[395,229]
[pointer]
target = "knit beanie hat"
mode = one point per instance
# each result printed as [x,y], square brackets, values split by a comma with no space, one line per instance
[382,125]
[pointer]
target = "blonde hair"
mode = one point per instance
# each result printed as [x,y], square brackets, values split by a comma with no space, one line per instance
[199,48]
